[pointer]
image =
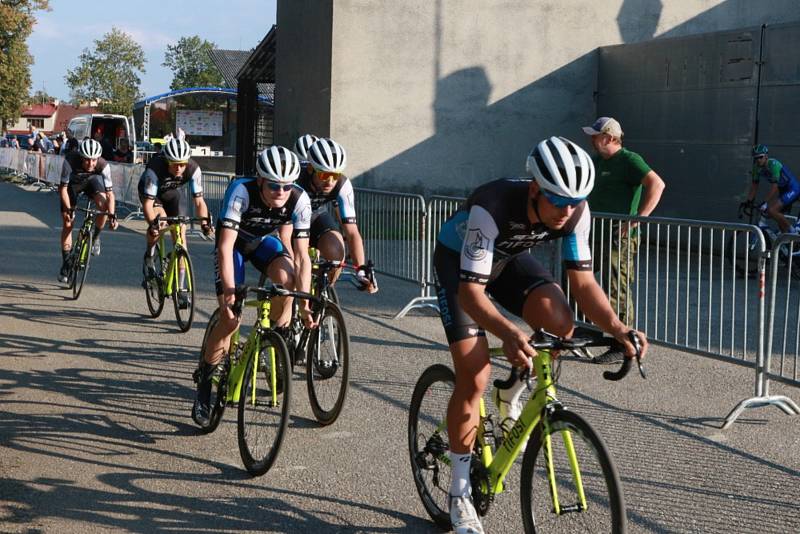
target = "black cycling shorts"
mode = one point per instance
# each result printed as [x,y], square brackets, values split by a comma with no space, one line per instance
[521,275]
[90,187]
[322,223]
[169,199]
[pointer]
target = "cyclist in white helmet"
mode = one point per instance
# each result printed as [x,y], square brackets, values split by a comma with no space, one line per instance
[302,145]
[325,183]
[265,221]
[160,195]
[483,248]
[84,171]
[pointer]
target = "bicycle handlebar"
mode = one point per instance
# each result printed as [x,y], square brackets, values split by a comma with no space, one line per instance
[266,292]
[181,219]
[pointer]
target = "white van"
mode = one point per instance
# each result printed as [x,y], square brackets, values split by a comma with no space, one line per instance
[112,127]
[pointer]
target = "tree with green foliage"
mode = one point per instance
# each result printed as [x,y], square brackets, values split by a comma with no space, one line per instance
[191,65]
[16,24]
[109,74]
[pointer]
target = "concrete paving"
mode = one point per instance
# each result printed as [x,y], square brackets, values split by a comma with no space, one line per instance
[95,433]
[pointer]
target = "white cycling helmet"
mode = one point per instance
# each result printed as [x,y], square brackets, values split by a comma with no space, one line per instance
[90,149]
[176,150]
[561,167]
[278,164]
[327,155]
[303,143]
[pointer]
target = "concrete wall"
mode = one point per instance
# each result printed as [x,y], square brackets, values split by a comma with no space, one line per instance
[303,64]
[441,95]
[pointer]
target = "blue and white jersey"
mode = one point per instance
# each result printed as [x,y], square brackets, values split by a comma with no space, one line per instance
[493,226]
[244,208]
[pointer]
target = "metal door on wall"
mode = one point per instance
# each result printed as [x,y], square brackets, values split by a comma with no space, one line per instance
[693,106]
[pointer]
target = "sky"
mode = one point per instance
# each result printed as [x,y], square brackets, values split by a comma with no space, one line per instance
[61,34]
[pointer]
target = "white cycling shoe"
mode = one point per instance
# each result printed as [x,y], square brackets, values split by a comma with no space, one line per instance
[510,408]
[463,516]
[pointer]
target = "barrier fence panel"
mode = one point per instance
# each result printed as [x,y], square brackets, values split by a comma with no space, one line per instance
[214,186]
[392,226]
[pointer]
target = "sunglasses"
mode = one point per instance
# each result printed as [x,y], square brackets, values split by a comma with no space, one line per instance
[279,187]
[561,202]
[328,176]
[760,156]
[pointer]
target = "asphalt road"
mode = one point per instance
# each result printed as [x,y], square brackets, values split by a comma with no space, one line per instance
[95,433]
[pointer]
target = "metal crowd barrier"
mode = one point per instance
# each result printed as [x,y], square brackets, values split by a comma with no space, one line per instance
[392,226]
[782,330]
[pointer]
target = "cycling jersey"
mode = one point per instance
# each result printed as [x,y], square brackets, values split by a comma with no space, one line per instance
[493,226]
[72,172]
[244,208]
[776,173]
[156,179]
[341,195]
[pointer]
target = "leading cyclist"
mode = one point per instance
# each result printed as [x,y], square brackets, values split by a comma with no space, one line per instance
[785,187]
[484,248]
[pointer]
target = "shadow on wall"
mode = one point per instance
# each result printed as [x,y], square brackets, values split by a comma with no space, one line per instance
[637,20]
[475,141]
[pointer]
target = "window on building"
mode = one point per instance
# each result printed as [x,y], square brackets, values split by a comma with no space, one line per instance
[36,123]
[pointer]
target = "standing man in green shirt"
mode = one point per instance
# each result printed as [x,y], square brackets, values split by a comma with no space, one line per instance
[620,177]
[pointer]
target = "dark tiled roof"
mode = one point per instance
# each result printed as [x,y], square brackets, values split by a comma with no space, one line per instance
[39,110]
[229,62]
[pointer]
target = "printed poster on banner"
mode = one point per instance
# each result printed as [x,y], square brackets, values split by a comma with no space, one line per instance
[196,122]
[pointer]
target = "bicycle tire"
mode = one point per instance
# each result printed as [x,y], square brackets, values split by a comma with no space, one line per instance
[81,265]
[605,503]
[328,365]
[183,316]
[428,447]
[262,421]
[154,290]
[219,401]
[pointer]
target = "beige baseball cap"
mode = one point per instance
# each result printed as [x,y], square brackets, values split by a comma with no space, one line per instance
[604,125]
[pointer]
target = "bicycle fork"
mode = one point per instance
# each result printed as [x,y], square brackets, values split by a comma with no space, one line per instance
[572,457]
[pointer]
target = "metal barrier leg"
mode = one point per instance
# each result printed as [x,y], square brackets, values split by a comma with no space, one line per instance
[786,404]
[418,302]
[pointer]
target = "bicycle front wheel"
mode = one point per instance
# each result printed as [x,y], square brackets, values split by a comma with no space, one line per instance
[264,404]
[154,287]
[428,443]
[183,290]
[328,365]
[558,494]
[81,264]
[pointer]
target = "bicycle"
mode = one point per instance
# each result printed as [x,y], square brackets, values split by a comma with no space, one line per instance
[326,349]
[255,374]
[79,256]
[581,482]
[746,261]
[172,274]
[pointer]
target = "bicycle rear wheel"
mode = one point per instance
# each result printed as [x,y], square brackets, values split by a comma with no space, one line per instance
[81,265]
[219,390]
[264,404]
[183,293]
[328,365]
[154,290]
[604,503]
[428,443]
[744,255]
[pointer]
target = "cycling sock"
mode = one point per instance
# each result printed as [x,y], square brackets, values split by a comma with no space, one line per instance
[96,233]
[459,483]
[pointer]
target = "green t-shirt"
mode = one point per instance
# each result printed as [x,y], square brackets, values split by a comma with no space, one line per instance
[618,183]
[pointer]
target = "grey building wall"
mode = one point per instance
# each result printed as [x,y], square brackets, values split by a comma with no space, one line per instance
[441,95]
[303,64]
